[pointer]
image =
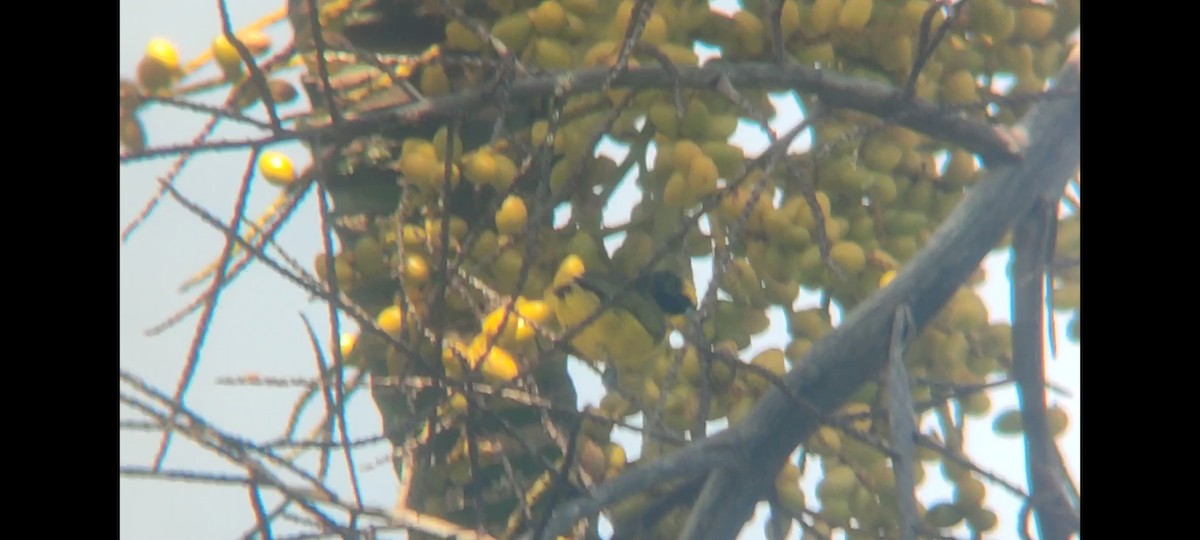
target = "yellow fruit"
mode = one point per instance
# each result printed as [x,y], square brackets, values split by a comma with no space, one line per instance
[958,88]
[894,54]
[569,270]
[771,360]
[1034,22]
[369,257]
[614,454]
[459,37]
[886,278]
[817,53]
[838,482]
[662,115]
[685,152]
[513,30]
[226,56]
[695,120]
[581,7]
[415,269]
[506,173]
[548,18]
[655,32]
[797,349]
[552,54]
[434,82]
[456,357]
[809,323]
[824,14]
[391,321]
[969,493]
[960,169]
[281,91]
[534,310]
[347,343]
[496,364]
[1066,297]
[702,177]
[676,193]
[750,32]
[1008,423]
[849,256]
[882,156]
[512,215]
[789,18]
[481,167]
[255,40]
[160,65]
[855,14]
[421,168]
[982,519]
[276,168]
[943,516]
[132,135]
[1057,420]
[680,56]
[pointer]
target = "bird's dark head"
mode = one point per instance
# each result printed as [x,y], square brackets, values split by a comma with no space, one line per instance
[667,290]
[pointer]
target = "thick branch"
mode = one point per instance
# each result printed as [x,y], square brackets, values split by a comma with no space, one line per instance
[994,143]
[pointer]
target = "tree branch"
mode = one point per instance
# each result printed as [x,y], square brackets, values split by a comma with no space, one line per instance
[994,143]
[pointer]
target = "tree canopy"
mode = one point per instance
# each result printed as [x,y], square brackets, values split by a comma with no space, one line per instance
[473,234]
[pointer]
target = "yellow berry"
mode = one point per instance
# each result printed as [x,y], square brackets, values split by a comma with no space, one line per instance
[506,173]
[534,310]
[702,177]
[391,320]
[415,269]
[276,168]
[226,56]
[512,215]
[434,81]
[695,120]
[886,278]
[855,14]
[1008,423]
[548,18]
[132,135]
[943,516]
[255,40]
[553,54]
[958,88]
[1034,22]
[347,343]
[481,167]
[1056,419]
[849,256]
[750,32]
[496,364]
[459,37]
[789,18]
[160,65]
[655,31]
[513,30]
[676,193]
[824,14]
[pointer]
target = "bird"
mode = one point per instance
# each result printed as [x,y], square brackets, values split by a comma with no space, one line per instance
[631,333]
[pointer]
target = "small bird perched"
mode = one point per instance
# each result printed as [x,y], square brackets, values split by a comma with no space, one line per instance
[631,332]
